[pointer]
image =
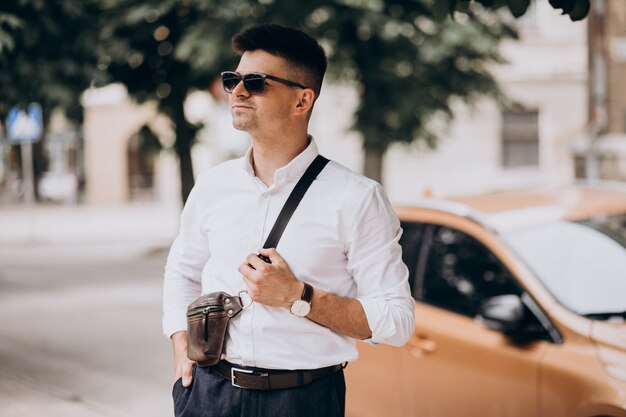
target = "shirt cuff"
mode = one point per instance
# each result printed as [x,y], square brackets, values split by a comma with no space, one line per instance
[379,319]
[174,321]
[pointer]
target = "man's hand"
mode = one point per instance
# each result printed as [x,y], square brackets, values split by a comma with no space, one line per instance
[272,284]
[182,365]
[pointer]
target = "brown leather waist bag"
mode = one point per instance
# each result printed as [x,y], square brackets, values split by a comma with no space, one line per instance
[209,315]
[207,323]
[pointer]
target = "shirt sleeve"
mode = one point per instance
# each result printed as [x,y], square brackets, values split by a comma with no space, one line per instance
[375,262]
[186,260]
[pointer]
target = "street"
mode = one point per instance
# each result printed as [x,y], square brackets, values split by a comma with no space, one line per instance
[80,328]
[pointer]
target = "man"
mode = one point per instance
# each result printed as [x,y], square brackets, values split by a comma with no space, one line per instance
[341,245]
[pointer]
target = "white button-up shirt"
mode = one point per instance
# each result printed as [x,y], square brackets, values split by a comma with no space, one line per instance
[342,238]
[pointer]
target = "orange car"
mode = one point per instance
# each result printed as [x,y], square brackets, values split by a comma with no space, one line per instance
[521,307]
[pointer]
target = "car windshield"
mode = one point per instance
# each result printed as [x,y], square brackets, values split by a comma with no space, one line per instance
[582,263]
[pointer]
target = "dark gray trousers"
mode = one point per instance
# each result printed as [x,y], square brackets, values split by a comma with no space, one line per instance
[210,395]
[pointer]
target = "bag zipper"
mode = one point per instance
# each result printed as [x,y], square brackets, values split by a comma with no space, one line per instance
[204,312]
[205,309]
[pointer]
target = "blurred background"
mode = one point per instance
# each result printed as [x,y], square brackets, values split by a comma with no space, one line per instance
[109,109]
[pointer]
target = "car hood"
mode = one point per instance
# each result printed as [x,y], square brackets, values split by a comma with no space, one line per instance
[609,338]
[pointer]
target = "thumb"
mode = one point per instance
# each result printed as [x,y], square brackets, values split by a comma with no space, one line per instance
[270,253]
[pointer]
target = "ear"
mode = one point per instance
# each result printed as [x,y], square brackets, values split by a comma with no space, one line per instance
[305,102]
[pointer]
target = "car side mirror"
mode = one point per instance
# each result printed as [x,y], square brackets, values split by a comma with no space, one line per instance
[503,313]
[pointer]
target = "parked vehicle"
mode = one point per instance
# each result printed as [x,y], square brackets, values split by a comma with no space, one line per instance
[521,308]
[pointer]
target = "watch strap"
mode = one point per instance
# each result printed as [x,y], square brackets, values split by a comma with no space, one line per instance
[307,293]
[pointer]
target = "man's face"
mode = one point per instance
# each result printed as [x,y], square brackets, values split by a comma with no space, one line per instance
[265,113]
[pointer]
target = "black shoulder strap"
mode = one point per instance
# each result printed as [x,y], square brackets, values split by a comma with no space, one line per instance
[292,202]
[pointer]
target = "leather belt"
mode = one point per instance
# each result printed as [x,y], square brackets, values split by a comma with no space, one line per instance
[267,379]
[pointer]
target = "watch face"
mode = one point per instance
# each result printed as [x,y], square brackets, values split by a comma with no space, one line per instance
[300,308]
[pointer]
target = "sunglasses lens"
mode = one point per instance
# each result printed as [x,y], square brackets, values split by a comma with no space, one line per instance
[230,81]
[254,83]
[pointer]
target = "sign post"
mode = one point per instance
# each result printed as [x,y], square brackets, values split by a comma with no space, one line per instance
[25,128]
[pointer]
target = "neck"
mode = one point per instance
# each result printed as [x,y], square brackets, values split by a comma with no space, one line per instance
[271,154]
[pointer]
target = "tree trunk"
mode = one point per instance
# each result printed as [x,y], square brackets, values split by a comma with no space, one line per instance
[373,164]
[185,135]
[40,165]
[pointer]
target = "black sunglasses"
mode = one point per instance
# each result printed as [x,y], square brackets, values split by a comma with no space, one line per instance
[254,82]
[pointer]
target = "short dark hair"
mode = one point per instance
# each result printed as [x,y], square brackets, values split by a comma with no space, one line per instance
[295,46]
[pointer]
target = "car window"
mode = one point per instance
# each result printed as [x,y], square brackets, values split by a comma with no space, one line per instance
[581,263]
[411,242]
[454,271]
[460,273]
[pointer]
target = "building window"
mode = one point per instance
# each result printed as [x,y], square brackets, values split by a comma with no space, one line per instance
[520,138]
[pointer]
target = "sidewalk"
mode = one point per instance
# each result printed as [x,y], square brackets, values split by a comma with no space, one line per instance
[80,298]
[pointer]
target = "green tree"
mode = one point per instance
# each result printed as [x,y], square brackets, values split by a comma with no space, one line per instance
[162,51]
[9,24]
[575,9]
[47,54]
[407,61]
[406,67]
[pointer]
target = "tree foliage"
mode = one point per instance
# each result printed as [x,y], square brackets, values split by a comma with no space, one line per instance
[575,9]
[46,53]
[406,65]
[46,56]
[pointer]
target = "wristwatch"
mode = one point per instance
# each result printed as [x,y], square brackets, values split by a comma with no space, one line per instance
[302,306]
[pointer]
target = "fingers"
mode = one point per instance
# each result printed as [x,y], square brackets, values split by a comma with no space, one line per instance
[182,365]
[267,283]
[272,254]
[187,373]
[264,258]
[256,262]
[250,277]
[252,289]
[251,264]
[246,269]
[184,370]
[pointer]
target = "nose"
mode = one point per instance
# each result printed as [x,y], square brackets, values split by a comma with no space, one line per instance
[240,90]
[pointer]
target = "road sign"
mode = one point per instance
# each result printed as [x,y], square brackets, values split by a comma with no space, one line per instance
[25,126]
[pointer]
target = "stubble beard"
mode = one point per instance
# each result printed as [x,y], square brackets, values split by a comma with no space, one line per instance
[246,123]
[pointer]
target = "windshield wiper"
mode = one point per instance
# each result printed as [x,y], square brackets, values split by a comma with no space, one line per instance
[606,316]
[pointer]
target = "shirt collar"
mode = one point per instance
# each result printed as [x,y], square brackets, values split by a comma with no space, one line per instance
[294,169]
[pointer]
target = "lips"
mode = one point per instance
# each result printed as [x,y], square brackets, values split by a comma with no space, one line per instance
[240,106]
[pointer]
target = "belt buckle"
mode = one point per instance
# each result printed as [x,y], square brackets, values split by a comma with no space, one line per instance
[232,375]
